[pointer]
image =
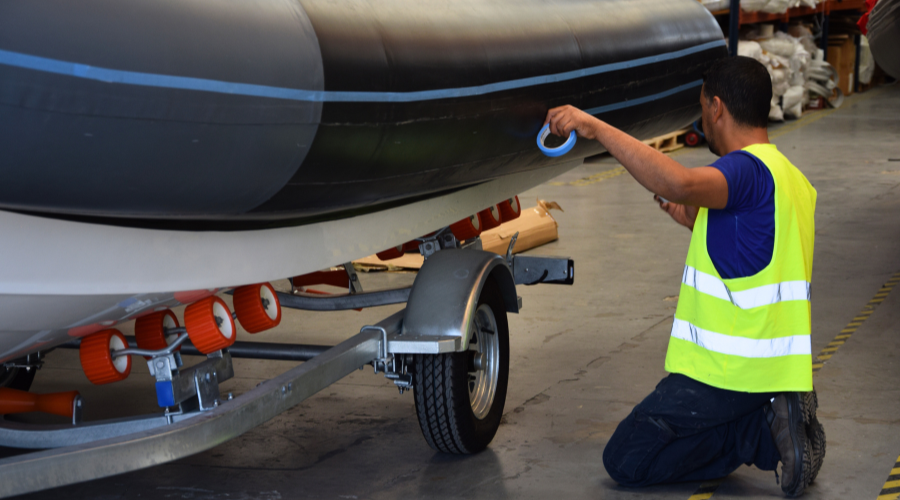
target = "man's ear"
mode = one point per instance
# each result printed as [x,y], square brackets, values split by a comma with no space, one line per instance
[717,109]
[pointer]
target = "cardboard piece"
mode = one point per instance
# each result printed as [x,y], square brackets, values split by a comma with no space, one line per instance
[842,56]
[535,227]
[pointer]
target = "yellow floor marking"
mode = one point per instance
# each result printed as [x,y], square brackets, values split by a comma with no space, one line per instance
[891,484]
[706,490]
[593,179]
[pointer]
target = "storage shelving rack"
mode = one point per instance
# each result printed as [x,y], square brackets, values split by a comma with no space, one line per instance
[737,18]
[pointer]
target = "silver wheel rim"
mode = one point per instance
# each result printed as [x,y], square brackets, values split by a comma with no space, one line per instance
[484,361]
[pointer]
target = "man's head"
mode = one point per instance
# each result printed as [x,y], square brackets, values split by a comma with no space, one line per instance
[736,97]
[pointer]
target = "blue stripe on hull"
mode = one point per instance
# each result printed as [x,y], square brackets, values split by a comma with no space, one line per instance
[77,70]
[642,100]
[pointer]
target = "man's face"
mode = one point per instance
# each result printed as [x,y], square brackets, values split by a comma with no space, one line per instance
[706,122]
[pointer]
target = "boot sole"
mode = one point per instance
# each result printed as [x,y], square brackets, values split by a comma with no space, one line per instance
[803,456]
[816,435]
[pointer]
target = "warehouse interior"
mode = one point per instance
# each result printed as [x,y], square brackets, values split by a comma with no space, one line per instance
[582,356]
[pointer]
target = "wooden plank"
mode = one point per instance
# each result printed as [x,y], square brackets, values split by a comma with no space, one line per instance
[535,227]
[667,142]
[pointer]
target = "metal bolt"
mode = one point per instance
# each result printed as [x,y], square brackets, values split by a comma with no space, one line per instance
[207,377]
[230,396]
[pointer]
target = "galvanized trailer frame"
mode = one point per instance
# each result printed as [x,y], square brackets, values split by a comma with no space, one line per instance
[439,313]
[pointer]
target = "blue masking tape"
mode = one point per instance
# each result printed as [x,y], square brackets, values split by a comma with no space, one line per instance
[554,152]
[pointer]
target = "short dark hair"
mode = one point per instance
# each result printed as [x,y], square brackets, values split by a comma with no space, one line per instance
[744,86]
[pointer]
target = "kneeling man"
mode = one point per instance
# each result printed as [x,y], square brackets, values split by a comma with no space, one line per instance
[740,386]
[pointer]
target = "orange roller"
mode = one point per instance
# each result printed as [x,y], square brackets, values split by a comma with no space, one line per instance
[96,357]
[489,217]
[391,253]
[209,324]
[466,229]
[57,403]
[509,209]
[257,307]
[150,330]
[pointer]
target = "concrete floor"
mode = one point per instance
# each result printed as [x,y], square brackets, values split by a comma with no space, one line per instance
[581,356]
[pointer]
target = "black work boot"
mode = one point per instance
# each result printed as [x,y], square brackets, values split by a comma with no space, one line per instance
[786,416]
[816,435]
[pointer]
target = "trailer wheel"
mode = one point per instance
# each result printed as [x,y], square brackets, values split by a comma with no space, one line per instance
[17,378]
[460,396]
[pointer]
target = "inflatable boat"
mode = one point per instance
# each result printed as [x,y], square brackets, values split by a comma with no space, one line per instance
[159,146]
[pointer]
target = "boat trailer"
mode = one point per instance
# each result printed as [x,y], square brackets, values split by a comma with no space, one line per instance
[453,328]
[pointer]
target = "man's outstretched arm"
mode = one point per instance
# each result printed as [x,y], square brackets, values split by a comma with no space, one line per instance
[698,187]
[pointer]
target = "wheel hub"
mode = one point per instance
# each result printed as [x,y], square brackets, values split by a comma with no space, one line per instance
[484,349]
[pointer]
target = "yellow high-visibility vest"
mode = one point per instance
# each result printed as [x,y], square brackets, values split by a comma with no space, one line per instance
[751,334]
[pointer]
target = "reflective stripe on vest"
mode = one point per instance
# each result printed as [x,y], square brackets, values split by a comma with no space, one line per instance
[745,299]
[741,346]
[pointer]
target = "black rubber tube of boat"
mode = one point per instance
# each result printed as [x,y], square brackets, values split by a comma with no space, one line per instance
[284,113]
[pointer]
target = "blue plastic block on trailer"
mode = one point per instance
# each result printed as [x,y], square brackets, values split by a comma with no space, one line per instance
[165,394]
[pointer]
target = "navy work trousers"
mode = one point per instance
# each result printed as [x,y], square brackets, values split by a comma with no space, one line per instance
[689,431]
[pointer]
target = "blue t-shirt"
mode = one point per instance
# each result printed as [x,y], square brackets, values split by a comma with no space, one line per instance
[741,236]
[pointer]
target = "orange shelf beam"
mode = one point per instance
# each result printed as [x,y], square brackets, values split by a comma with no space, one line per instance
[825,7]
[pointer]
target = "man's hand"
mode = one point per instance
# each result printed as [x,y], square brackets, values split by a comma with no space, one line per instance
[565,119]
[682,214]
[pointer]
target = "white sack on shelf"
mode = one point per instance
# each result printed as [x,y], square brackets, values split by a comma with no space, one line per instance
[775,112]
[779,46]
[714,5]
[750,49]
[866,61]
[777,6]
[753,5]
[792,102]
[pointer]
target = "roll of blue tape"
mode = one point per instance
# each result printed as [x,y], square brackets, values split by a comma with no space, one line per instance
[554,152]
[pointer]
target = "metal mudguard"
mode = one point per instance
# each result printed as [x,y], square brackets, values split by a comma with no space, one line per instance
[444,297]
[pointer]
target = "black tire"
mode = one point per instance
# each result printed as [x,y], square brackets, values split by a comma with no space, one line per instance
[441,390]
[17,378]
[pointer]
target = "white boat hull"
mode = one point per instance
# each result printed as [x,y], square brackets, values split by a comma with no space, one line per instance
[61,280]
